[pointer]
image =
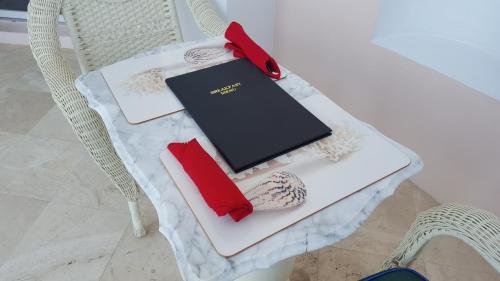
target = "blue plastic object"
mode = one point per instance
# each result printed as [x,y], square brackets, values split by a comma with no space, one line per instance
[396,274]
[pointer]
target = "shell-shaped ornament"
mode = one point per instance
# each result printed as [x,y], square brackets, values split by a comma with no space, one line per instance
[202,55]
[279,191]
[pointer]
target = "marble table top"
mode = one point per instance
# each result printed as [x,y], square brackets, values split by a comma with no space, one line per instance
[139,147]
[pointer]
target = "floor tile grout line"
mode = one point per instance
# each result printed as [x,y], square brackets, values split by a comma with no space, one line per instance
[75,140]
[21,141]
[122,237]
[23,196]
[28,229]
[125,209]
[64,176]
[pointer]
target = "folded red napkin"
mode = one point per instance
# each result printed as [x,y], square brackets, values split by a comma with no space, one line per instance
[243,46]
[220,193]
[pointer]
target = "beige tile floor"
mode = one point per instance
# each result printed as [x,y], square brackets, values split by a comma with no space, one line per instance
[62,219]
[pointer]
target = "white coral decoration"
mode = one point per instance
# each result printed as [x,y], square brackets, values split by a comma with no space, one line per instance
[148,82]
[279,191]
[343,141]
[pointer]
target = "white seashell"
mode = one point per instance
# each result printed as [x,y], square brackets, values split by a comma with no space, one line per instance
[202,55]
[279,191]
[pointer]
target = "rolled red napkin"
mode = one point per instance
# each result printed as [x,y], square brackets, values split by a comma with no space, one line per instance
[218,190]
[243,46]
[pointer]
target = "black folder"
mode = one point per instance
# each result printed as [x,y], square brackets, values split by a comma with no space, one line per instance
[245,114]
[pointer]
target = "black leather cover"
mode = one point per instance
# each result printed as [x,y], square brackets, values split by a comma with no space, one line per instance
[245,114]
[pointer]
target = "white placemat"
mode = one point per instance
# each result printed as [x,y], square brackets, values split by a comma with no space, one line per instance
[326,181]
[138,84]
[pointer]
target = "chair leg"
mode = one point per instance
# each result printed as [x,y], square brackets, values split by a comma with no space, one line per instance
[86,122]
[94,136]
[135,213]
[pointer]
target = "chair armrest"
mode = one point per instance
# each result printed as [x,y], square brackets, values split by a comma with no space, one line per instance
[477,228]
[86,123]
[44,41]
[206,17]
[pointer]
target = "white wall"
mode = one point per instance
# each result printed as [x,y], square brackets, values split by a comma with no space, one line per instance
[256,16]
[189,28]
[459,38]
[456,130]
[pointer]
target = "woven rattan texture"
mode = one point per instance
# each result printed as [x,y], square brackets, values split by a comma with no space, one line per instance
[479,229]
[104,31]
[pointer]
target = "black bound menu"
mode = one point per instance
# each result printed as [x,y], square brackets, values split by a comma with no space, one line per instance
[245,114]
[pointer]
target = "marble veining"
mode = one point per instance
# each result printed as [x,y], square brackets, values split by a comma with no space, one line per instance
[139,147]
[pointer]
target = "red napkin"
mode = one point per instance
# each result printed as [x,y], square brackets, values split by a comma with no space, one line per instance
[243,46]
[220,193]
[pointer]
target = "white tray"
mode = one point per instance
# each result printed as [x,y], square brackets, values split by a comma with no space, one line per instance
[327,182]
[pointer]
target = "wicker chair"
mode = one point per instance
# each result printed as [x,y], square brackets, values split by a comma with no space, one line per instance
[479,229]
[103,32]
